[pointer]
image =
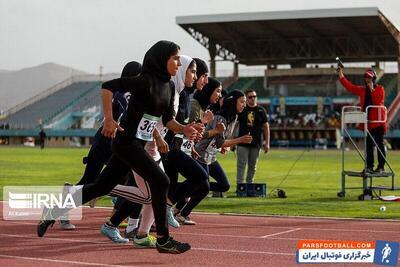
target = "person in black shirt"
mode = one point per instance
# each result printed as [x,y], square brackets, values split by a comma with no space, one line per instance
[42,138]
[252,120]
[152,99]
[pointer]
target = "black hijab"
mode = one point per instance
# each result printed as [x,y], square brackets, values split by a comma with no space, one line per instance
[156,58]
[131,69]
[201,68]
[228,109]
[203,96]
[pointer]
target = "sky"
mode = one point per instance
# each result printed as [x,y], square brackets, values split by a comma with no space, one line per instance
[87,34]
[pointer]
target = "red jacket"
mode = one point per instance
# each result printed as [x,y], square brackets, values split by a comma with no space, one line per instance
[378,99]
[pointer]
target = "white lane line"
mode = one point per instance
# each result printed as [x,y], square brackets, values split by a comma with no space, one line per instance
[63,239]
[246,251]
[303,228]
[193,248]
[79,263]
[280,233]
[236,236]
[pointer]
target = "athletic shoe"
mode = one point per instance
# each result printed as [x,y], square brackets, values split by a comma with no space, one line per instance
[367,170]
[130,235]
[123,224]
[148,241]
[67,225]
[171,219]
[113,234]
[184,220]
[379,170]
[114,200]
[172,246]
[175,210]
[47,220]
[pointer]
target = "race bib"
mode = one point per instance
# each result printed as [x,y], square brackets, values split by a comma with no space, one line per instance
[146,127]
[187,146]
[211,152]
[164,131]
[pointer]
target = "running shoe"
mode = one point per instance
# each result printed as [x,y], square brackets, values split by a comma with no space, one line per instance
[113,234]
[66,225]
[171,219]
[47,220]
[148,241]
[172,246]
[184,220]
[130,235]
[379,170]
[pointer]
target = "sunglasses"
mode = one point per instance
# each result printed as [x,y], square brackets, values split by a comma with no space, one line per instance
[252,96]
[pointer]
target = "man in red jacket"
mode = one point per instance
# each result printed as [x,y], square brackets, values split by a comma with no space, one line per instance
[370,94]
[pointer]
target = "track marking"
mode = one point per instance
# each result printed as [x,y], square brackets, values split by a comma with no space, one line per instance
[63,239]
[193,248]
[284,232]
[303,228]
[79,263]
[246,251]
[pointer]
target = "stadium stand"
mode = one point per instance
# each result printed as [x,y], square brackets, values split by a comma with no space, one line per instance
[44,110]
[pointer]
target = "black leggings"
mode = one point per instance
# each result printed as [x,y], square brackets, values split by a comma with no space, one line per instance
[195,186]
[215,171]
[130,155]
[98,156]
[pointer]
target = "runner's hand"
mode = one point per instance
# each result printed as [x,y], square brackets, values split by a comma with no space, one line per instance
[110,128]
[207,116]
[162,146]
[220,127]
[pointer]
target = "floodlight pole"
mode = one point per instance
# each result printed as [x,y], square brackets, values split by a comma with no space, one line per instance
[398,72]
[212,49]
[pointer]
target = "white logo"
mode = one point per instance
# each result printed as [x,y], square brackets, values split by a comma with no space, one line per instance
[386,253]
[40,200]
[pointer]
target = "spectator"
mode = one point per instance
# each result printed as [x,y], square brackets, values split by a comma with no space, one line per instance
[42,138]
[252,120]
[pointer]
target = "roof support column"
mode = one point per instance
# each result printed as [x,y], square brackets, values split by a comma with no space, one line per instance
[398,75]
[212,49]
[236,70]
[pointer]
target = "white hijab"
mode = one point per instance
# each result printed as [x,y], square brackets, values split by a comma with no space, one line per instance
[179,80]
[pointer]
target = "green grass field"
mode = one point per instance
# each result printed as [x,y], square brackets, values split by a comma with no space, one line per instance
[311,186]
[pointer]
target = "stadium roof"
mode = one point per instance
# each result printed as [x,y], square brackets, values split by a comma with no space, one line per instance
[296,37]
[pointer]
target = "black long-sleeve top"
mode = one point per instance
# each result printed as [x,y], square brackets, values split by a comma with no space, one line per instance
[149,96]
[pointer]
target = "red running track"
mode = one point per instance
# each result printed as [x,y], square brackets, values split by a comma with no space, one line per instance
[217,240]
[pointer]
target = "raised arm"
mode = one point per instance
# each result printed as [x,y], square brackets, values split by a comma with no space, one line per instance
[354,89]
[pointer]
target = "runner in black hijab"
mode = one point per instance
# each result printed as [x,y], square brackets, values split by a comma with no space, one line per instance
[153,98]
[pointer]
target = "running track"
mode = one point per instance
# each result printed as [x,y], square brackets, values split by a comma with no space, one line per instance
[217,240]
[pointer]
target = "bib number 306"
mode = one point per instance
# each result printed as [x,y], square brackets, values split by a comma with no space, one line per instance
[146,127]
